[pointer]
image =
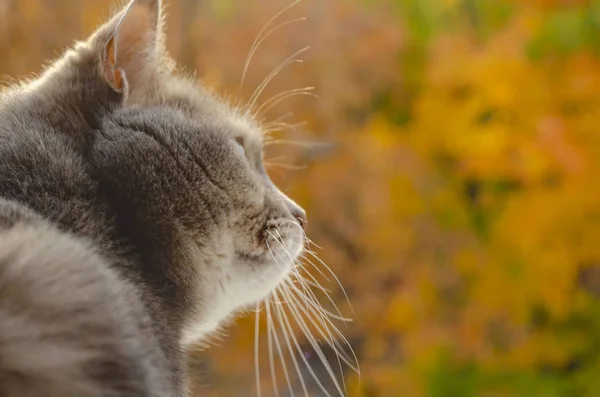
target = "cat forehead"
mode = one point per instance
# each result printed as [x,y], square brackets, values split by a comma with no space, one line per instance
[246,127]
[211,107]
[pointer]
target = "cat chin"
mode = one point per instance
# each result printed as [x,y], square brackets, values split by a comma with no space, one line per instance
[236,284]
[243,293]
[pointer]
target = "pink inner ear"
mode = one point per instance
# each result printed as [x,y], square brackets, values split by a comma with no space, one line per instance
[113,75]
[119,80]
[136,41]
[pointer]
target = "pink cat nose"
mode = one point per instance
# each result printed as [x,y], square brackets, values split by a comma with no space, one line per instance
[300,216]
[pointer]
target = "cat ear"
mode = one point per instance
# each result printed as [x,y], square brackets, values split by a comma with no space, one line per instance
[132,52]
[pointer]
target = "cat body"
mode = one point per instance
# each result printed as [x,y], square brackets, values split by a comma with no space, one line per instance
[73,319]
[135,218]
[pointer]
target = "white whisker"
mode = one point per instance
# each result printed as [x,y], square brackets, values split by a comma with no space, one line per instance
[275,299]
[284,320]
[285,166]
[338,316]
[295,268]
[261,87]
[266,36]
[309,144]
[306,331]
[270,349]
[278,98]
[303,258]
[308,290]
[279,351]
[311,318]
[330,324]
[334,276]
[258,40]
[283,127]
[280,314]
[317,349]
[273,125]
[316,285]
[284,116]
[331,341]
[310,242]
[256,349]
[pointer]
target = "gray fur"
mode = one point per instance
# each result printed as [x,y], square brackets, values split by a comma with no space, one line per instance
[135,218]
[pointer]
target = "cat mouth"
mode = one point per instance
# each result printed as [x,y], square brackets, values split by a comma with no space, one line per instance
[250,258]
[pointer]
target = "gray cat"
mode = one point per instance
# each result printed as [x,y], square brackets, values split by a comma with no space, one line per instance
[135,217]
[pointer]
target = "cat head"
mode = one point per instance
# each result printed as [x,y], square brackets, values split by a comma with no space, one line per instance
[187,171]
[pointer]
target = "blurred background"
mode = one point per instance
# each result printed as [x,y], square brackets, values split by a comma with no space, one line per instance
[450,170]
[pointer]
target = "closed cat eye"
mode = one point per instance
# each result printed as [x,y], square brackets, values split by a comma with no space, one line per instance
[240,146]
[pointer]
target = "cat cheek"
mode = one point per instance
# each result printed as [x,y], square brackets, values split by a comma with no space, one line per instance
[253,197]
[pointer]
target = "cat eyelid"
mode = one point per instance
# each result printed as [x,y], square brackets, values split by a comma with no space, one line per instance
[240,146]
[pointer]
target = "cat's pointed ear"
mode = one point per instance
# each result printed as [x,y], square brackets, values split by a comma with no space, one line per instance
[132,52]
